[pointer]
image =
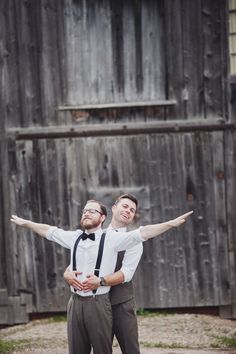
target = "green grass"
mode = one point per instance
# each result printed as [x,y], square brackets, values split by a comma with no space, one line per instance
[152,313]
[162,345]
[226,342]
[9,346]
[58,318]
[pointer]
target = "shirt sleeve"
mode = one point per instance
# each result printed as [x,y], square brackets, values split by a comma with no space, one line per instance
[123,241]
[64,238]
[130,261]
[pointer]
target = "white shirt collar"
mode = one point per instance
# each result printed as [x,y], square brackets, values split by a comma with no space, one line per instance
[98,232]
[123,228]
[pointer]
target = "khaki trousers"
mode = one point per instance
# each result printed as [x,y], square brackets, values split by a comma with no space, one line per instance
[89,324]
[125,327]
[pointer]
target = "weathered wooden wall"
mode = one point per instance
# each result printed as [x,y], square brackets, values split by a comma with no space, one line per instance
[100,97]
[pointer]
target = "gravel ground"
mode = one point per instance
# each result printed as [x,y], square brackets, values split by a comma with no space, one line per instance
[181,333]
[143,351]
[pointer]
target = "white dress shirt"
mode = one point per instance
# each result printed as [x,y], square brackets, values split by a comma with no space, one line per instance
[131,258]
[87,251]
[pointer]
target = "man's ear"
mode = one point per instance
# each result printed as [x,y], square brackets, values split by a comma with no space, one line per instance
[103,217]
[113,207]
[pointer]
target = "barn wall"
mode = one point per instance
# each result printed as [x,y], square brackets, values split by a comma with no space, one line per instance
[187,267]
[97,97]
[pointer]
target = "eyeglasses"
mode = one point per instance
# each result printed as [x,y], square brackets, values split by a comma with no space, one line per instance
[91,211]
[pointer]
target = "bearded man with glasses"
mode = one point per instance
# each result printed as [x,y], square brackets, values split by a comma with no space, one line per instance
[90,313]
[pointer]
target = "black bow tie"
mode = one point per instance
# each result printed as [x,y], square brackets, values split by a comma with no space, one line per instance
[85,236]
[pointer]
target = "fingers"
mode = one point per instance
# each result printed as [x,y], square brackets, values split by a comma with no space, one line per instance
[183,217]
[16,220]
[77,285]
[87,289]
[186,214]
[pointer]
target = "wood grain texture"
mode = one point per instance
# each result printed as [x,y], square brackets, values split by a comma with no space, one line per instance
[87,55]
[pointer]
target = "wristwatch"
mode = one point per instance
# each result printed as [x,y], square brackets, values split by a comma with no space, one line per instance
[102,282]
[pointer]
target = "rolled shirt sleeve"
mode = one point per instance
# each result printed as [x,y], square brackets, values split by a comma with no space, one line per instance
[64,238]
[130,261]
[123,241]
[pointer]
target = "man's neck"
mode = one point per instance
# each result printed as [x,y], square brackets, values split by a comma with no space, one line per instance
[117,225]
[93,230]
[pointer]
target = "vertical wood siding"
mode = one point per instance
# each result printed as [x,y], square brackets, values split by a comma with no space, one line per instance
[183,268]
[58,53]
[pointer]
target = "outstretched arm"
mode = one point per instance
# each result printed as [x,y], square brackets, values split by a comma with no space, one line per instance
[40,229]
[151,231]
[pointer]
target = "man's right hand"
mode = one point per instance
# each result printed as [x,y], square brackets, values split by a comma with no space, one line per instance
[71,279]
[18,221]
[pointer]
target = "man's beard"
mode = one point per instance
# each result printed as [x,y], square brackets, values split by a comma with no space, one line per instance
[89,224]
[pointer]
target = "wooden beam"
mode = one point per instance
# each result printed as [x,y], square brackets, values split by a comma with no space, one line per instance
[160,103]
[88,130]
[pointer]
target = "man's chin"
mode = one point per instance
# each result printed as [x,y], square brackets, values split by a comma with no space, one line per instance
[89,224]
[125,220]
[86,224]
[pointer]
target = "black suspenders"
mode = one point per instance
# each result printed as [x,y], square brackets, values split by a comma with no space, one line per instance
[99,257]
[74,252]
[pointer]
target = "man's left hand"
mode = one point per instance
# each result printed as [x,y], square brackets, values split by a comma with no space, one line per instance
[91,283]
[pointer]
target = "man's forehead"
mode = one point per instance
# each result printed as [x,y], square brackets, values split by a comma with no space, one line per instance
[92,205]
[128,201]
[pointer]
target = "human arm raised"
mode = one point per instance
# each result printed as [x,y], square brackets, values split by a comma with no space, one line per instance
[40,229]
[126,240]
[154,230]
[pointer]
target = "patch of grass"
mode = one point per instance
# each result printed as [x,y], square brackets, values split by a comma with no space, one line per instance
[58,318]
[227,342]
[5,346]
[9,346]
[162,345]
[152,313]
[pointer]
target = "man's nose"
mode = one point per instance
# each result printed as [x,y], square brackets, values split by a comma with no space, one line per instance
[87,212]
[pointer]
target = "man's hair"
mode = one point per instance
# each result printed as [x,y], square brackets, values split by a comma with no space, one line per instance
[102,206]
[127,196]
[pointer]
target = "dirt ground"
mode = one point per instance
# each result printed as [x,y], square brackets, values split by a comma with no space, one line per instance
[160,334]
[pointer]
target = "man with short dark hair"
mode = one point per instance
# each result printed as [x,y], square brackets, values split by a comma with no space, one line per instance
[89,314]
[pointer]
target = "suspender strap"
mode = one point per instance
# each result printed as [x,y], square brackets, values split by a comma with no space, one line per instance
[99,257]
[74,252]
[74,255]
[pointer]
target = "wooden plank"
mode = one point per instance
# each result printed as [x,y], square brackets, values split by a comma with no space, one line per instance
[221,221]
[3,297]
[6,276]
[23,66]
[192,48]
[174,49]
[230,171]
[118,105]
[16,311]
[4,315]
[118,129]
[27,300]
[214,29]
